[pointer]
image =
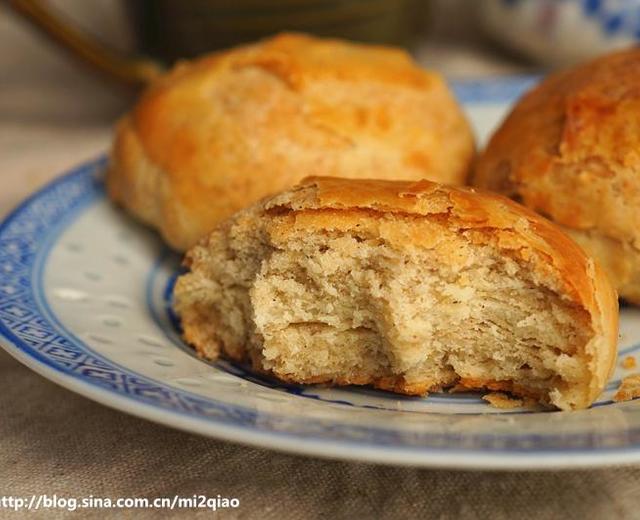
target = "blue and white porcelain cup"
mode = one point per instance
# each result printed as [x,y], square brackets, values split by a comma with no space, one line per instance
[559,33]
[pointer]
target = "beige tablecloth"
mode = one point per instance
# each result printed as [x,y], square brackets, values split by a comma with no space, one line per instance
[52,116]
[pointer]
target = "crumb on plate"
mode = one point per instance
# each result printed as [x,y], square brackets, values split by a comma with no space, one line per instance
[629,362]
[504,401]
[628,389]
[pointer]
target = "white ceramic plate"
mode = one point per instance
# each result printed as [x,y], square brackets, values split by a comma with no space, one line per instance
[85,301]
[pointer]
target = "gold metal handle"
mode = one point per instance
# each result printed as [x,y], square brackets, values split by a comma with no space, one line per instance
[129,71]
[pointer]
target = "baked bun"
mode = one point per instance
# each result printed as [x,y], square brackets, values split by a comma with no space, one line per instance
[409,287]
[570,149]
[219,133]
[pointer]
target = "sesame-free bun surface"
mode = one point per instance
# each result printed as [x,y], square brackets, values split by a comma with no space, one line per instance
[408,286]
[570,149]
[216,134]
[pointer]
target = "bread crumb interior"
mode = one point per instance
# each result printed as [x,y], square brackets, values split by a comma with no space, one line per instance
[338,306]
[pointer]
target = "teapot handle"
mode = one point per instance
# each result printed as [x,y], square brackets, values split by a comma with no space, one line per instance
[133,72]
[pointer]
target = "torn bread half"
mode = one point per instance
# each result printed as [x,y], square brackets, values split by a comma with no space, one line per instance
[407,286]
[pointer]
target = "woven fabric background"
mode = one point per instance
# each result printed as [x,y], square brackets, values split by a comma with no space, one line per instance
[52,116]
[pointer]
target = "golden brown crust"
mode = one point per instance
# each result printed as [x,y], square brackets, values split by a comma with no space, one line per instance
[325,203]
[395,384]
[510,387]
[217,134]
[570,150]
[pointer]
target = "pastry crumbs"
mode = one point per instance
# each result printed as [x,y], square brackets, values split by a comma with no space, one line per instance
[629,362]
[628,389]
[500,400]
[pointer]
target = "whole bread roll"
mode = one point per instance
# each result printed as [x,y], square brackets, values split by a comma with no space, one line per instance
[570,149]
[408,286]
[218,133]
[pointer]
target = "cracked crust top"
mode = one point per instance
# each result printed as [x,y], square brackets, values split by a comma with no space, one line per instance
[219,133]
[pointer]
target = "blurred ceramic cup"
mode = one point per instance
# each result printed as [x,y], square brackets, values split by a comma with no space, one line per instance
[559,33]
[168,30]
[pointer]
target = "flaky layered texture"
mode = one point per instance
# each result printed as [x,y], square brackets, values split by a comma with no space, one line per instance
[410,287]
[217,134]
[570,149]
